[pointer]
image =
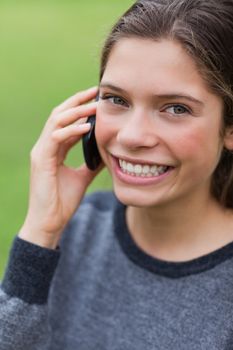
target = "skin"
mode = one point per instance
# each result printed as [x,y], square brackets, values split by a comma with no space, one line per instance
[175,218]
[52,202]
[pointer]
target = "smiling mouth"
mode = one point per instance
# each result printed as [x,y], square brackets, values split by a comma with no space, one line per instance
[143,170]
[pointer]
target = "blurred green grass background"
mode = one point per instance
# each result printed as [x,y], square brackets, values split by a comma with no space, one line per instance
[49,50]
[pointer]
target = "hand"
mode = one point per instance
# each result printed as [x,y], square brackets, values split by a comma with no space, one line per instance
[55,189]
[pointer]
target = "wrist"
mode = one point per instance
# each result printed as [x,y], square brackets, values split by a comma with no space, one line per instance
[38,237]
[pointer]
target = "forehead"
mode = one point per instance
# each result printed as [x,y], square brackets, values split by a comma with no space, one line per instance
[154,65]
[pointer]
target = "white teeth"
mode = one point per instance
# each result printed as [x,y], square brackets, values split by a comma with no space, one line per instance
[142,170]
[154,170]
[130,168]
[146,169]
[137,169]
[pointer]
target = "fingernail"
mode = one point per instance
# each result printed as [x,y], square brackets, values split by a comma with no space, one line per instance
[84,126]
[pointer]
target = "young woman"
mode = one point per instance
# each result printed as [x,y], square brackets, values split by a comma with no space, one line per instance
[150,265]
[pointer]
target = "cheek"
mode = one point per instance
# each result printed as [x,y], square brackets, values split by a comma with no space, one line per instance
[199,146]
[103,131]
[100,130]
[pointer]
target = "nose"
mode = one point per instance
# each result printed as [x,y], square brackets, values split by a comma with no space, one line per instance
[138,131]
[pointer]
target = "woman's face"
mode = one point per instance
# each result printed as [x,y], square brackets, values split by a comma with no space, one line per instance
[157,125]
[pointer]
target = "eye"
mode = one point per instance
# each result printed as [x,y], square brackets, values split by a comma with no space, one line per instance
[115,100]
[178,109]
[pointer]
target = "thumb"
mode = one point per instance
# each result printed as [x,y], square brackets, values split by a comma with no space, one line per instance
[87,174]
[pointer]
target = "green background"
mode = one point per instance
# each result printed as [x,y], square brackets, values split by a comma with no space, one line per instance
[49,50]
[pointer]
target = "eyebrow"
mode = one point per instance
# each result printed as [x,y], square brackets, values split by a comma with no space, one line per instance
[172,95]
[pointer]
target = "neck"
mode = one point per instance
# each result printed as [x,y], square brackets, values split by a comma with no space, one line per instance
[181,231]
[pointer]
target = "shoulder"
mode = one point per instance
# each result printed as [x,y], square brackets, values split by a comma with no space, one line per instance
[89,234]
[100,201]
[94,215]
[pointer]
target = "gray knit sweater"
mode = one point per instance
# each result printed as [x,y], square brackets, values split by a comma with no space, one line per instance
[99,290]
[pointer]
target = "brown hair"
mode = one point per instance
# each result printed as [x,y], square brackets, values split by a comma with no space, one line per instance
[205,30]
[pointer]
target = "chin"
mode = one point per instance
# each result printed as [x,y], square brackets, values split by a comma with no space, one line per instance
[135,198]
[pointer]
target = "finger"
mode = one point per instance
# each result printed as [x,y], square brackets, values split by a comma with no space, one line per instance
[73,114]
[47,147]
[77,99]
[62,135]
[64,119]
[71,141]
[65,148]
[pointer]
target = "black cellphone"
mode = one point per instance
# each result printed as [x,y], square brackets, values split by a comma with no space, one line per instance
[90,149]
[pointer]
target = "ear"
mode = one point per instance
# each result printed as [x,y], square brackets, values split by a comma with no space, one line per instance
[228,138]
